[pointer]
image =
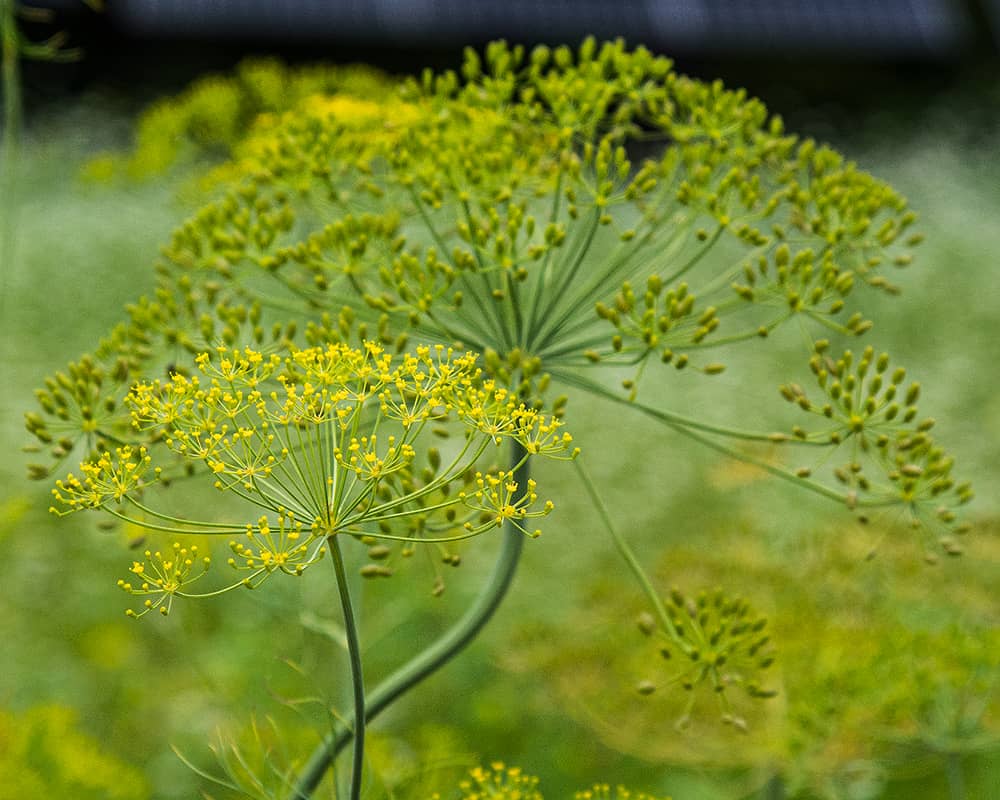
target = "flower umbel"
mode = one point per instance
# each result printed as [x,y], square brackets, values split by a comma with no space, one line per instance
[715,641]
[109,478]
[162,577]
[320,442]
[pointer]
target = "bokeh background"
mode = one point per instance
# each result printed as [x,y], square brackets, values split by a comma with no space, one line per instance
[888,667]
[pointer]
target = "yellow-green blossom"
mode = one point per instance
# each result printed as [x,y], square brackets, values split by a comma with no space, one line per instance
[109,478]
[322,441]
[162,577]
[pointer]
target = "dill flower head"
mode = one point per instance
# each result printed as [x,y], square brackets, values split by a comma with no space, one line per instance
[501,782]
[109,478]
[323,441]
[604,791]
[869,413]
[501,207]
[213,115]
[712,641]
[160,577]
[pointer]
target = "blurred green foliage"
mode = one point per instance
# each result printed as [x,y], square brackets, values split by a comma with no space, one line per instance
[43,753]
[215,114]
[888,666]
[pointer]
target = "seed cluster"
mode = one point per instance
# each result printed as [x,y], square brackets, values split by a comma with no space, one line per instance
[712,640]
[870,409]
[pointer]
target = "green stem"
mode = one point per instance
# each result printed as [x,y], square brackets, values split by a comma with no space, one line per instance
[685,428]
[671,418]
[12,120]
[428,661]
[542,276]
[774,789]
[545,333]
[357,677]
[956,776]
[630,558]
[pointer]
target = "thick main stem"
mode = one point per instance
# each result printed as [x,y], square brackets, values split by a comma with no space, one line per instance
[428,661]
[357,675]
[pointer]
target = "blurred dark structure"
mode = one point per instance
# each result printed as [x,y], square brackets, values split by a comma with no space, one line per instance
[834,55]
[912,27]
[872,27]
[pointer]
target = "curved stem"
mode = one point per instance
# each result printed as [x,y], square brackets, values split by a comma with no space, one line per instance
[450,644]
[357,677]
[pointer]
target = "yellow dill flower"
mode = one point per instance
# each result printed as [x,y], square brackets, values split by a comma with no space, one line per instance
[359,112]
[108,478]
[320,441]
[604,791]
[499,782]
[500,499]
[286,549]
[540,434]
[161,577]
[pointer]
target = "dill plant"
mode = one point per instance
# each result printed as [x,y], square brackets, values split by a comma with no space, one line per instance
[580,219]
[329,452]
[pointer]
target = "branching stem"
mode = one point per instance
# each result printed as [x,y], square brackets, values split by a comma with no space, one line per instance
[687,428]
[428,661]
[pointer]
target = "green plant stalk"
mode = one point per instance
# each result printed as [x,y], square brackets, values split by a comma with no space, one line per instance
[774,789]
[956,776]
[357,675]
[12,120]
[630,557]
[11,80]
[428,661]
[685,427]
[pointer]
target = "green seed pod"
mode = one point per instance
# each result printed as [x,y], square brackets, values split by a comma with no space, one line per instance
[375,571]
[434,458]
[379,552]
[646,623]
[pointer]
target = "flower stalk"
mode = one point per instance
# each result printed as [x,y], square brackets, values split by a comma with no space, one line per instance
[436,655]
[357,672]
